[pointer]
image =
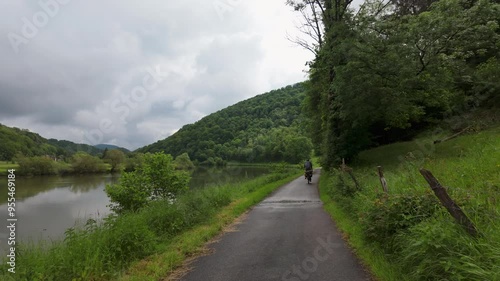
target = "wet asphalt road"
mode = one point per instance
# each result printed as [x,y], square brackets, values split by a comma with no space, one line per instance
[288,236]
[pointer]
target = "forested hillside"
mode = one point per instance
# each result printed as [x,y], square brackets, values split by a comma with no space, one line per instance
[110,147]
[268,127]
[69,148]
[15,140]
[394,68]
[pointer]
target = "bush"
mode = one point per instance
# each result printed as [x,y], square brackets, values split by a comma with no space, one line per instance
[183,162]
[168,219]
[345,189]
[214,161]
[164,218]
[130,194]
[133,162]
[129,238]
[83,163]
[36,166]
[155,179]
[391,214]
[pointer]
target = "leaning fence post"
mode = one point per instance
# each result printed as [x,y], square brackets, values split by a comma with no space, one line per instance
[383,182]
[347,169]
[450,205]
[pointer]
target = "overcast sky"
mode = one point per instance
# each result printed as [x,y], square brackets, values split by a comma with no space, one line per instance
[133,72]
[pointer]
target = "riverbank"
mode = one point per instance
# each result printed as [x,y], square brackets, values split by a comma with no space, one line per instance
[5,166]
[263,164]
[66,167]
[161,232]
[406,234]
[60,168]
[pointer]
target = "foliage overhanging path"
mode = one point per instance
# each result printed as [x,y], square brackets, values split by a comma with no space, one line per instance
[286,236]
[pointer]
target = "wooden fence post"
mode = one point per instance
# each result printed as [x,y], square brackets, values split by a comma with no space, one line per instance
[351,174]
[450,205]
[454,136]
[383,182]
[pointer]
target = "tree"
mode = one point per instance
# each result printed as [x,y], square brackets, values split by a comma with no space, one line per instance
[183,162]
[134,161]
[83,163]
[104,153]
[395,68]
[312,12]
[115,158]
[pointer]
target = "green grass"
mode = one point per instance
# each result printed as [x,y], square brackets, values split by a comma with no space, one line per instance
[371,256]
[4,166]
[191,243]
[60,167]
[146,245]
[418,238]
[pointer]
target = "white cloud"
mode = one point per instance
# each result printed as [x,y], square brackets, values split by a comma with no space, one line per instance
[93,54]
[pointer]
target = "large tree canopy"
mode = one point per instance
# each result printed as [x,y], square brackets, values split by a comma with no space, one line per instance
[393,68]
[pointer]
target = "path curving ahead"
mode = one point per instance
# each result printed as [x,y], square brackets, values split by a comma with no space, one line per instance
[288,236]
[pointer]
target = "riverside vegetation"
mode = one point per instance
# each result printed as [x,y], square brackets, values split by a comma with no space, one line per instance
[406,234]
[169,226]
[386,74]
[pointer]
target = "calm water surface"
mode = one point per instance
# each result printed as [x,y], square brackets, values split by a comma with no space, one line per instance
[47,206]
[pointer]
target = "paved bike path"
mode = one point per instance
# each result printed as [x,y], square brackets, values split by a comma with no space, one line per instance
[288,236]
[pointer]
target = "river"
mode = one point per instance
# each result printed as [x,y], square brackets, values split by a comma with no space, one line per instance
[46,206]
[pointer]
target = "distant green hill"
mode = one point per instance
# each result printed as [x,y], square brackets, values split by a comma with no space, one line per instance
[110,147]
[71,147]
[268,127]
[14,140]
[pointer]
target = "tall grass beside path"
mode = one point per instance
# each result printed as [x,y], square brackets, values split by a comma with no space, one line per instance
[407,234]
[142,245]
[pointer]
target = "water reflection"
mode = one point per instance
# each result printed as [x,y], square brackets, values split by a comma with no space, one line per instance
[27,187]
[206,176]
[46,206]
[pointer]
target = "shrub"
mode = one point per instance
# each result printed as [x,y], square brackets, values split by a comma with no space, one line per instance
[131,193]
[183,162]
[133,162]
[391,214]
[155,179]
[128,238]
[218,197]
[38,165]
[167,218]
[83,163]
[344,188]
[164,219]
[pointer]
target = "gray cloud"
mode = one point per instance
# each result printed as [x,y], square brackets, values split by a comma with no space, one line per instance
[83,67]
